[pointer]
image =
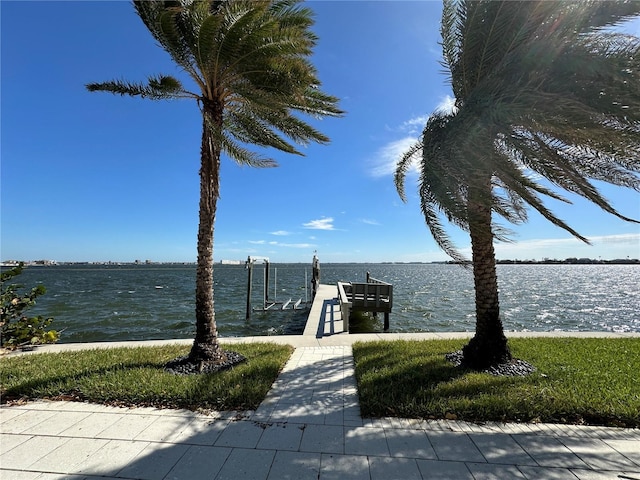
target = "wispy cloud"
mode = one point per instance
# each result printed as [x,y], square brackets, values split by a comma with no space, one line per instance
[386,158]
[273,243]
[605,246]
[297,245]
[625,238]
[415,125]
[281,233]
[368,221]
[320,224]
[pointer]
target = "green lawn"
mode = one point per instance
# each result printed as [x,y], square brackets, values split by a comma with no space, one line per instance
[134,376]
[593,381]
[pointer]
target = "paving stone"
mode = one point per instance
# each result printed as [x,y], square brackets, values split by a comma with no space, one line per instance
[344,467]
[58,423]
[334,415]
[58,476]
[387,468]
[549,451]
[501,448]
[111,458]
[127,427]
[265,410]
[282,437]
[18,475]
[62,406]
[91,426]
[486,471]
[323,439]
[201,431]
[22,456]
[591,475]
[23,423]
[295,466]
[199,463]
[7,413]
[307,413]
[443,470]
[9,441]
[91,477]
[546,473]
[164,429]
[67,456]
[409,443]
[598,454]
[353,422]
[154,462]
[247,465]
[240,434]
[280,413]
[629,448]
[454,446]
[365,441]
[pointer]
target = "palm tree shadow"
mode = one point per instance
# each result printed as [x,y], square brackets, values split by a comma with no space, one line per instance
[420,387]
[26,389]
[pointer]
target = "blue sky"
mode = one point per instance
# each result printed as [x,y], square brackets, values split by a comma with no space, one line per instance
[95,177]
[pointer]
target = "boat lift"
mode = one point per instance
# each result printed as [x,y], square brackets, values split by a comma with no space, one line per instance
[270,305]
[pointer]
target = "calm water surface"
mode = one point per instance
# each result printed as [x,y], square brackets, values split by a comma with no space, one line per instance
[110,303]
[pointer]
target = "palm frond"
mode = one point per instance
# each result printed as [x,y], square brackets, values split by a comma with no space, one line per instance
[541,88]
[244,156]
[233,149]
[249,128]
[403,165]
[430,211]
[161,87]
[250,60]
[162,19]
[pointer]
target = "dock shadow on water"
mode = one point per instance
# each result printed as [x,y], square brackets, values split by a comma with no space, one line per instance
[364,322]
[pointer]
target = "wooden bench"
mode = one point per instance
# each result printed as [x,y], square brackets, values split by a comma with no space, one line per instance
[371,296]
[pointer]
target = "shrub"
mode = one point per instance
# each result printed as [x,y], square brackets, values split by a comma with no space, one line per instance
[16,329]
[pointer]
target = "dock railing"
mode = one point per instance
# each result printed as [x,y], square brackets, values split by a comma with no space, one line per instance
[371,296]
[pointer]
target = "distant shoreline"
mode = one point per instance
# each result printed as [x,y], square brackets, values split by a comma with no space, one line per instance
[546,261]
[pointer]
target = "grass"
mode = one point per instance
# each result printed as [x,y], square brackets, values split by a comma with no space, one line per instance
[593,381]
[135,377]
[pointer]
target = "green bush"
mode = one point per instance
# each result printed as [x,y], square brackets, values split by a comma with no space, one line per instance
[16,329]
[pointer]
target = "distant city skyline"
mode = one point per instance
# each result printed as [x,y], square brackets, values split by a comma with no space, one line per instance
[95,177]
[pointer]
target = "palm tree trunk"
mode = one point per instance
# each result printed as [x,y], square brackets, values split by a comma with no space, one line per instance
[489,345]
[205,346]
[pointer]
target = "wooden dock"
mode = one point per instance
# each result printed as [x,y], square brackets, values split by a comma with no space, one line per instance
[325,316]
[373,296]
[332,305]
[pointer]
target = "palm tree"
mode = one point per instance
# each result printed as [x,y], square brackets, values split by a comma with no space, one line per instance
[249,62]
[544,92]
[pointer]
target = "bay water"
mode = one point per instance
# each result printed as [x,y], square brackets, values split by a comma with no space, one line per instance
[141,302]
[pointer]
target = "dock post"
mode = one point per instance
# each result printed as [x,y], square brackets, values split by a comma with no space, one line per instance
[315,275]
[249,267]
[375,314]
[266,284]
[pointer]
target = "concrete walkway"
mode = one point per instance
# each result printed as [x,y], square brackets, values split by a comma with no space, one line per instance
[308,427]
